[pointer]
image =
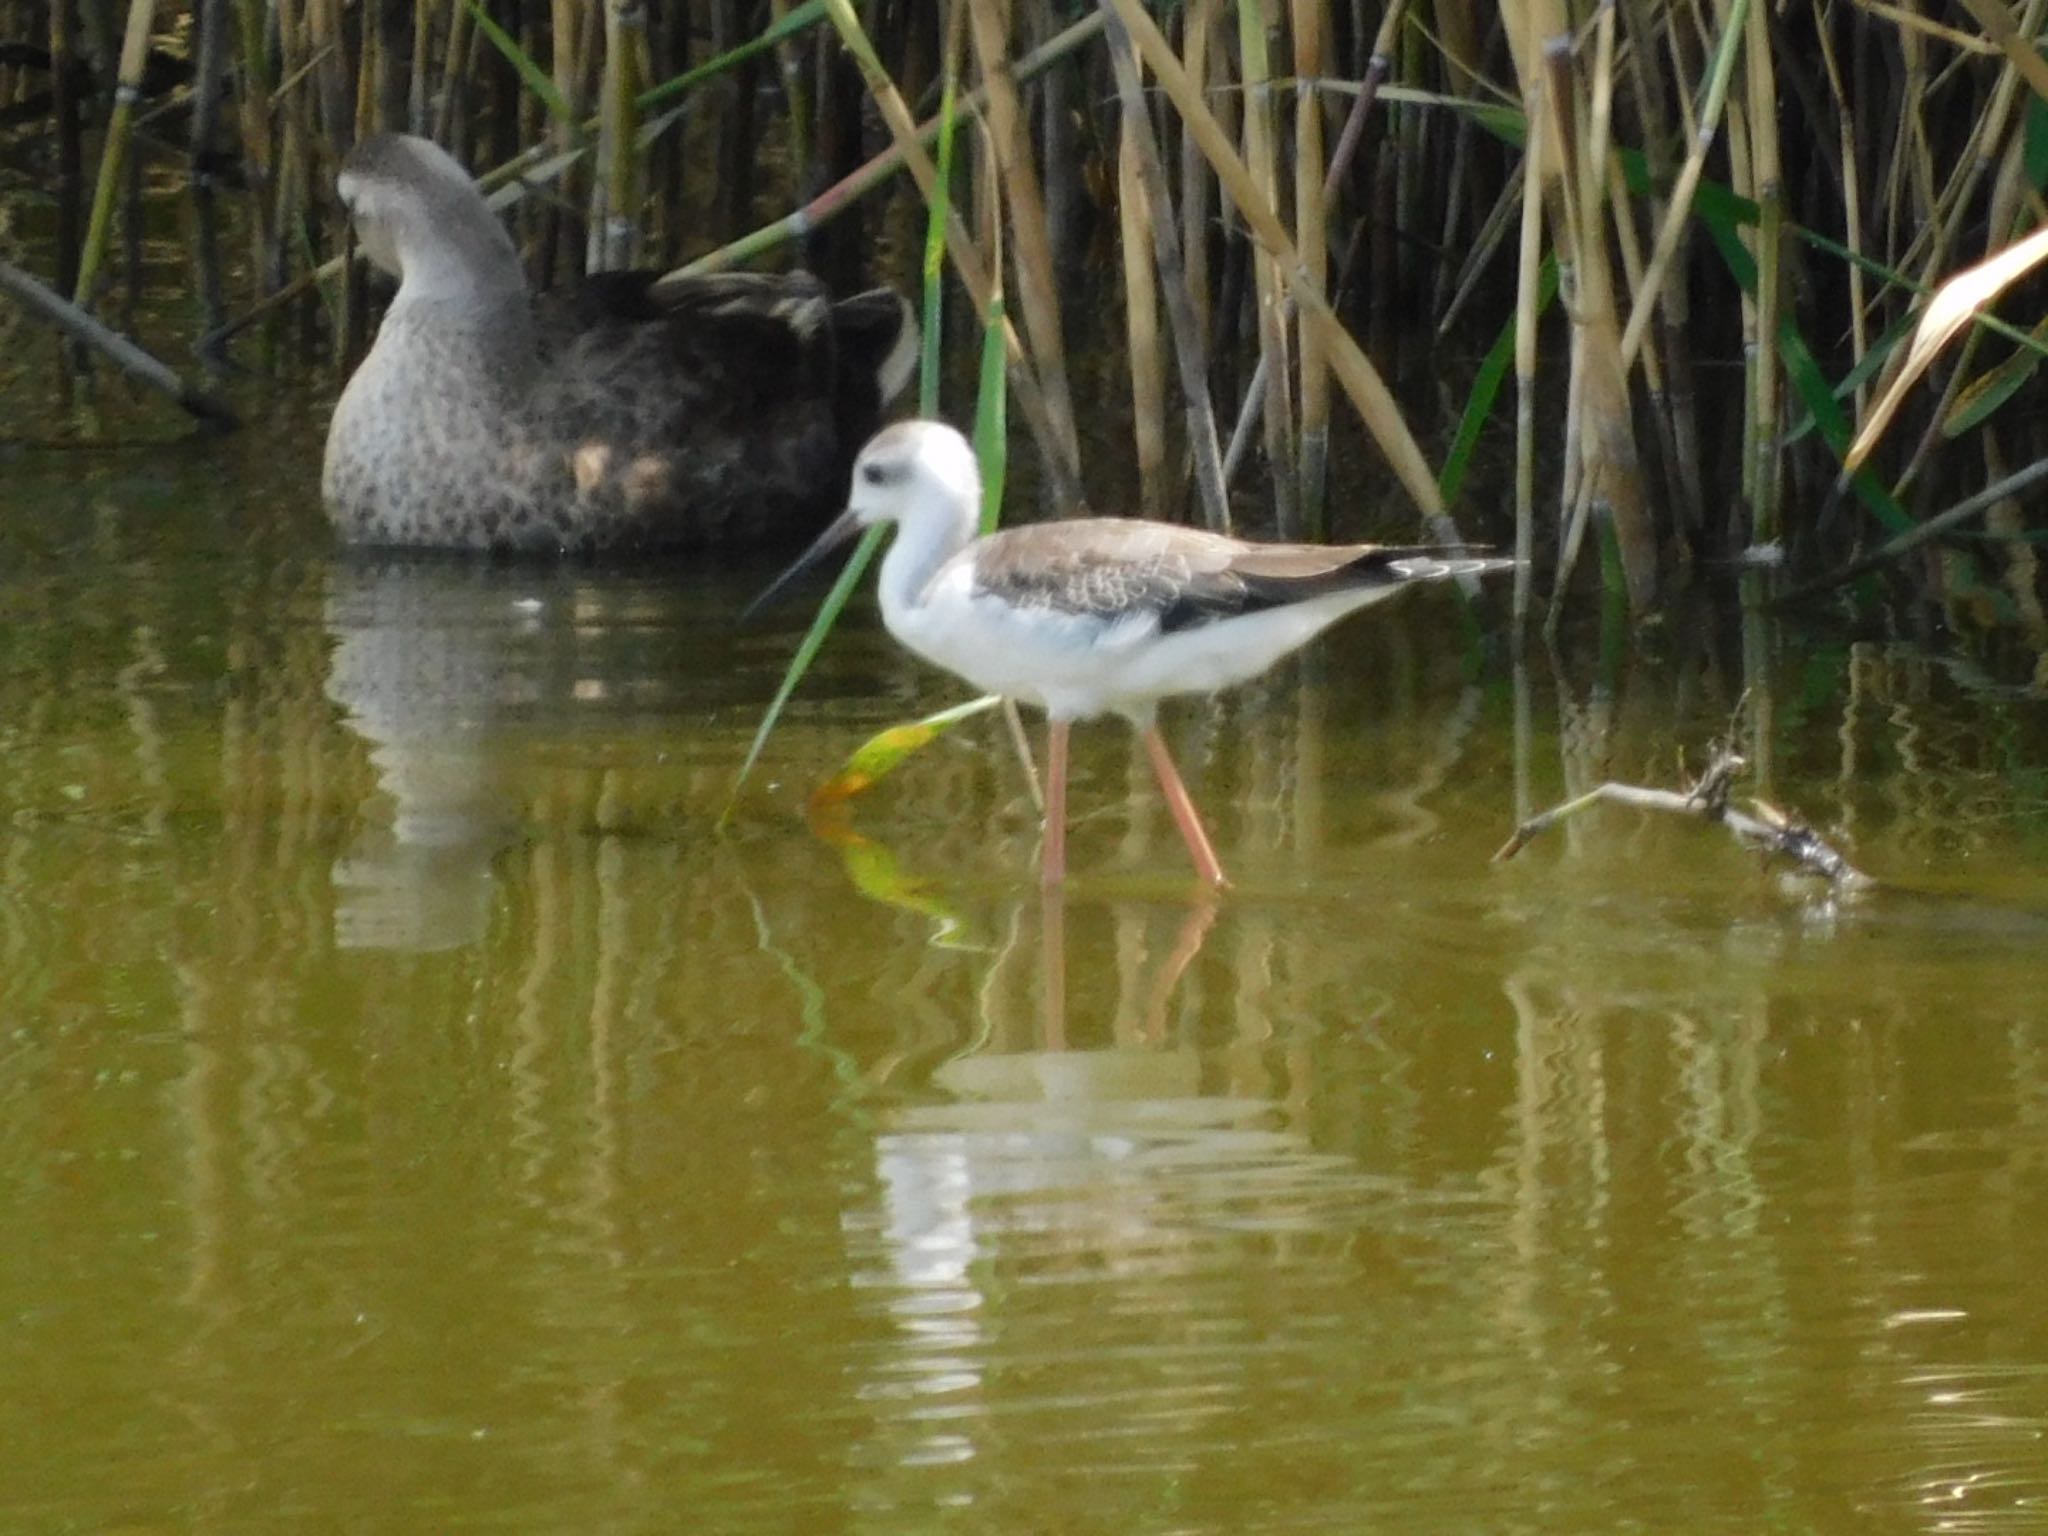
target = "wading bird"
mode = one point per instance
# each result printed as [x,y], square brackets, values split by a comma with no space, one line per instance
[1097,615]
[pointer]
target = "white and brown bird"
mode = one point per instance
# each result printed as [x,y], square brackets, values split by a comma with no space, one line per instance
[1097,615]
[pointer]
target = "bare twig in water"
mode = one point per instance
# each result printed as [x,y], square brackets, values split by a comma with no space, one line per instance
[118,349]
[1932,528]
[1764,826]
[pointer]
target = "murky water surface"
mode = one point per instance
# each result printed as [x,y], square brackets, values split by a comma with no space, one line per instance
[414,1114]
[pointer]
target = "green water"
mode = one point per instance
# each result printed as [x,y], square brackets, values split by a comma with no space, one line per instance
[415,1115]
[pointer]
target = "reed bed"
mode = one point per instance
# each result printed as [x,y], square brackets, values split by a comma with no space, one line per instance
[1232,259]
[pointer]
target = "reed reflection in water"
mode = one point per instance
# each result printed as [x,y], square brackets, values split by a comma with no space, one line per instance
[634,1170]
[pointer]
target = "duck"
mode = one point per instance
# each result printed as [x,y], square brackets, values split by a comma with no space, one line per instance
[643,411]
[1089,616]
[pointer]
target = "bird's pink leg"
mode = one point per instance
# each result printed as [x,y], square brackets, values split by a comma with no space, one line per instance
[1183,808]
[1053,865]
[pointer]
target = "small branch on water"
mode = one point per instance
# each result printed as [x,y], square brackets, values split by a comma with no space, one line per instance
[123,353]
[1763,827]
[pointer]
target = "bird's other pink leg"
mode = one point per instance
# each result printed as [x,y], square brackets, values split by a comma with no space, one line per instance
[1053,864]
[1184,814]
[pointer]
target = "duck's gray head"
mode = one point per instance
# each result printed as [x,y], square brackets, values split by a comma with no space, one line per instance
[419,217]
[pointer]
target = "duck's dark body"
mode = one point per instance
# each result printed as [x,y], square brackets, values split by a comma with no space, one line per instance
[639,412]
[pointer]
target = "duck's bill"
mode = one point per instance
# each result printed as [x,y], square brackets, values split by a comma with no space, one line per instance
[843,527]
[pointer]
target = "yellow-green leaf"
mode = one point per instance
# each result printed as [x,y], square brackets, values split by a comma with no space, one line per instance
[880,754]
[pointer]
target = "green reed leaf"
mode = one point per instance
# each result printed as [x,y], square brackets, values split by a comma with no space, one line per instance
[806,653]
[991,417]
[536,79]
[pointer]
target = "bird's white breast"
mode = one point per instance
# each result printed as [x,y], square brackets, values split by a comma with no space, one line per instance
[1076,665]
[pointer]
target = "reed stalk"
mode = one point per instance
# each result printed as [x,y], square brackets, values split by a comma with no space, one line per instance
[796,93]
[456,62]
[1526,269]
[65,106]
[1189,351]
[967,261]
[991,396]
[1355,373]
[1197,181]
[1255,20]
[210,71]
[843,194]
[1761,116]
[1714,100]
[1031,241]
[327,57]
[1348,140]
[614,229]
[1135,217]
[113,158]
[289,185]
[938,216]
[373,66]
[1310,229]
[253,103]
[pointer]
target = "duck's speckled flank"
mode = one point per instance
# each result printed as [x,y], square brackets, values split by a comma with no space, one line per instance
[643,413]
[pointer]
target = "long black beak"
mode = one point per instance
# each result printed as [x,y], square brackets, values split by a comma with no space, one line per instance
[843,527]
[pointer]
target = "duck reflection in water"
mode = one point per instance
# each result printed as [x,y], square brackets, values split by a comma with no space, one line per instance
[428,659]
[468,679]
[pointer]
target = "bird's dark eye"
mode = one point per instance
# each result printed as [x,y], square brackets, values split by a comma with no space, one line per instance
[874,474]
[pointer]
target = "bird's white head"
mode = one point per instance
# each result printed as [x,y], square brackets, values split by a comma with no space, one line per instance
[919,474]
[419,217]
[915,470]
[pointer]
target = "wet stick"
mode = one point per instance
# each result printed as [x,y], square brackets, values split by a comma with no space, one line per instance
[75,322]
[1763,826]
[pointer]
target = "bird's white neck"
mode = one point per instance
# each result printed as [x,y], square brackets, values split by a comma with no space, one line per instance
[940,523]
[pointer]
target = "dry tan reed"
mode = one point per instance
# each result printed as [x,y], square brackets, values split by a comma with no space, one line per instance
[1725,190]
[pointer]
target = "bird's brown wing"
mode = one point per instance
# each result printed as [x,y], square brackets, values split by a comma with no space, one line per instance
[1181,577]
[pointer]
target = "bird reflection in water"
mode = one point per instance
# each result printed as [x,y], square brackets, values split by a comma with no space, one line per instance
[1139,1168]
